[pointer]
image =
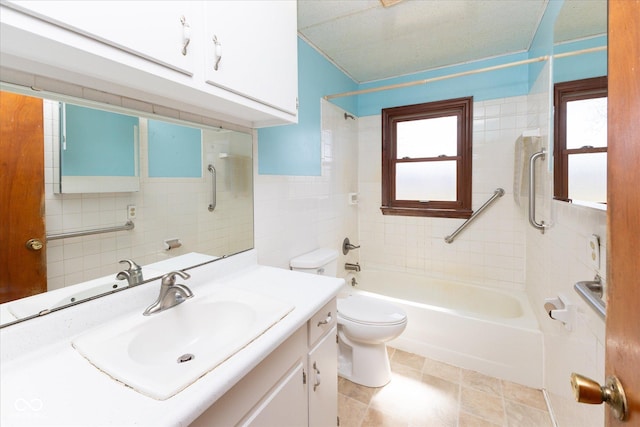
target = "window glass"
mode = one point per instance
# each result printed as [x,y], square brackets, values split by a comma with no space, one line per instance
[587,123]
[588,177]
[427,158]
[427,137]
[426,181]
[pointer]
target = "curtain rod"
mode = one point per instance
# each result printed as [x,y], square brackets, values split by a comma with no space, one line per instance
[464,73]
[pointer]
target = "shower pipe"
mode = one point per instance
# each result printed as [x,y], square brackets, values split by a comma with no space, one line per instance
[129,225]
[212,206]
[532,192]
[465,73]
[496,194]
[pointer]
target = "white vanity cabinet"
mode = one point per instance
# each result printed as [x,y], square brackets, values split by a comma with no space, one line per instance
[296,385]
[251,49]
[156,31]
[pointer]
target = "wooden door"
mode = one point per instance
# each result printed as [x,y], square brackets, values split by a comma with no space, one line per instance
[22,271]
[623,210]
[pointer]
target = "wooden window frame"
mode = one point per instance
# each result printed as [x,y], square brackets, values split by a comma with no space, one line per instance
[461,207]
[562,93]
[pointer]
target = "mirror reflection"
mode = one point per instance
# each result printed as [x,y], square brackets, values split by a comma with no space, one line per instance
[75,250]
[580,119]
[98,149]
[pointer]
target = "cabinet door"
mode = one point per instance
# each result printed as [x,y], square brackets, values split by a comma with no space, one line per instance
[323,382]
[152,30]
[251,49]
[285,406]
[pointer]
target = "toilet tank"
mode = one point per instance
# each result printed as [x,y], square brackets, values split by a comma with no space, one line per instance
[321,261]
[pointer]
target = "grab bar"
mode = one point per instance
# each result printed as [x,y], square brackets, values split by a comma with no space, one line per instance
[496,194]
[212,169]
[532,192]
[592,292]
[129,225]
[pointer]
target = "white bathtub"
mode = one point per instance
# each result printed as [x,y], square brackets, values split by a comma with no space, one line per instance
[490,331]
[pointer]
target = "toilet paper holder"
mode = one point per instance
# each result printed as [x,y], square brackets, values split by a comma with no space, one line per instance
[561,309]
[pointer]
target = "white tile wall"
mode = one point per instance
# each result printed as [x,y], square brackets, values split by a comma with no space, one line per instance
[489,252]
[297,214]
[166,208]
[556,260]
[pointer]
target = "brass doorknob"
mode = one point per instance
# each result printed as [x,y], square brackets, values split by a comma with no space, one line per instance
[34,244]
[586,390]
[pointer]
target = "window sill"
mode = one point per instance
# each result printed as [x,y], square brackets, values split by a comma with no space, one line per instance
[438,213]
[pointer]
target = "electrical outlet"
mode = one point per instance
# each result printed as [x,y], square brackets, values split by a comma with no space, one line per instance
[593,251]
[131,212]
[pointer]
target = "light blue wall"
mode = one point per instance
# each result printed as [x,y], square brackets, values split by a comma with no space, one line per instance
[580,66]
[490,85]
[295,149]
[175,151]
[98,142]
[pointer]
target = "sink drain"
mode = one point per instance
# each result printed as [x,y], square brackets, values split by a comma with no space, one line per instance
[186,358]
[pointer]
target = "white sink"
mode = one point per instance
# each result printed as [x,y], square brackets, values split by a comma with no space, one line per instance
[161,354]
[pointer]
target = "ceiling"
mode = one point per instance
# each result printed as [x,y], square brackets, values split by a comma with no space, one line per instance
[371,42]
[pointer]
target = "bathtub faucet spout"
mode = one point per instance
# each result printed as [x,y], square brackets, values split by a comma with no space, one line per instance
[352,267]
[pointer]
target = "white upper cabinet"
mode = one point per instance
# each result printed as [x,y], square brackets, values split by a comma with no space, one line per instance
[157,31]
[164,53]
[251,49]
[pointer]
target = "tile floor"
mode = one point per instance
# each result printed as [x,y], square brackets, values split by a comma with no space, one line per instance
[424,392]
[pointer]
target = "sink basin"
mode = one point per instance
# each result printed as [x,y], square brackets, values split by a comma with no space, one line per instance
[162,354]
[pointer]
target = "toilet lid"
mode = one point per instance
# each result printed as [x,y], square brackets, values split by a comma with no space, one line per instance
[362,309]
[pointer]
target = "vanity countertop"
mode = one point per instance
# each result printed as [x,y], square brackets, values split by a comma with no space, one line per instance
[44,381]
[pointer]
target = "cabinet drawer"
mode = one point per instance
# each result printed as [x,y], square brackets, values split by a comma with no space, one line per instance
[322,321]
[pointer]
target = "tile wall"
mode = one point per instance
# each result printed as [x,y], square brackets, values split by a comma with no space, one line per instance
[491,251]
[297,214]
[556,260]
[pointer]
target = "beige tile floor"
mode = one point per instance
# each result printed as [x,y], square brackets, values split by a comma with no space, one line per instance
[424,392]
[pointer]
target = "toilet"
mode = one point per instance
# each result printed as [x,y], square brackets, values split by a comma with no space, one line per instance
[365,324]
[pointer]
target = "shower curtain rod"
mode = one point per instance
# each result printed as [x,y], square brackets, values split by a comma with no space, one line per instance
[464,73]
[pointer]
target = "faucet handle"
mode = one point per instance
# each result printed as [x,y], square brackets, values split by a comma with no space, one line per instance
[132,265]
[169,279]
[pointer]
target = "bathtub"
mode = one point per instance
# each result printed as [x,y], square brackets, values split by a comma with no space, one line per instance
[491,331]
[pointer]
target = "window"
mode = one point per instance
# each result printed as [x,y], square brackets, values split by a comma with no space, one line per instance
[426,159]
[580,135]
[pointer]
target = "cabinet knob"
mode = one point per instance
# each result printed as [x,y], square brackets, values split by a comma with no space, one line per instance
[325,321]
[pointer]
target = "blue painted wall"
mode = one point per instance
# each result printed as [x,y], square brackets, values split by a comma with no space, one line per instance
[490,85]
[98,142]
[175,151]
[295,149]
[580,66]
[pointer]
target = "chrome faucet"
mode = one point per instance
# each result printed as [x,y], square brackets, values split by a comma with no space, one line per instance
[352,267]
[170,293]
[133,274]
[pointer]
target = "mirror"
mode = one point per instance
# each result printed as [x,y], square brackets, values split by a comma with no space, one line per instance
[99,149]
[184,169]
[580,103]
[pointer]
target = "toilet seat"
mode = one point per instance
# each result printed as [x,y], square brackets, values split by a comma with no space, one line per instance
[370,311]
